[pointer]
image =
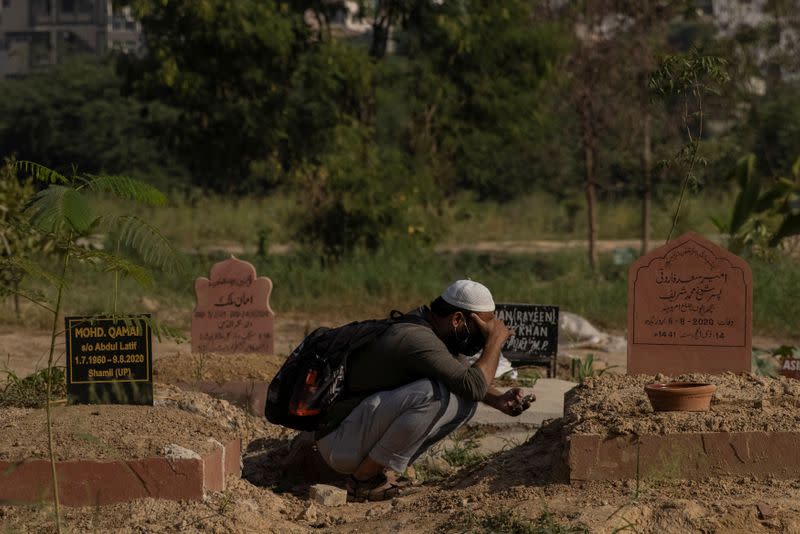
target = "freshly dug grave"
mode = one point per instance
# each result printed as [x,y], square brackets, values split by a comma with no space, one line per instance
[618,405]
[187,368]
[178,417]
[511,492]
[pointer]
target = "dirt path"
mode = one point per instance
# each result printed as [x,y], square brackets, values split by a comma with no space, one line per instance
[511,247]
[541,245]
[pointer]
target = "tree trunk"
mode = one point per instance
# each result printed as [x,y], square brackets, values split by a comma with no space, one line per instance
[17,312]
[589,152]
[380,36]
[647,186]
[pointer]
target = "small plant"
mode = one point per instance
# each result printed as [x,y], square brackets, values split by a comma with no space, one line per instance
[508,521]
[226,503]
[690,77]
[583,369]
[63,211]
[762,218]
[767,363]
[427,473]
[528,376]
[16,238]
[463,453]
[199,367]
[31,391]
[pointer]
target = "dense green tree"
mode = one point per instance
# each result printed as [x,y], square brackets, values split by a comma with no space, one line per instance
[355,187]
[776,123]
[477,68]
[75,113]
[226,66]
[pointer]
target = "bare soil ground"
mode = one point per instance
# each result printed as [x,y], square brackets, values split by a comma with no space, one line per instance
[618,404]
[24,350]
[512,491]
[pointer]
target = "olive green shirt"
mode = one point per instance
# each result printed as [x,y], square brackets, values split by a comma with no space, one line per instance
[404,353]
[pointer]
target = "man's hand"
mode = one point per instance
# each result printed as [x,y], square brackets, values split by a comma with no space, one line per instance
[493,329]
[513,402]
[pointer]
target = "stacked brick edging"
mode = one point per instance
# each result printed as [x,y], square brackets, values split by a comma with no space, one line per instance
[689,456]
[97,482]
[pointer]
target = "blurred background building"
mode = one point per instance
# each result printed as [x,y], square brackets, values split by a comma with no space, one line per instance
[35,33]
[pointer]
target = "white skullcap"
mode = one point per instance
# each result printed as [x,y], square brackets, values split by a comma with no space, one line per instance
[469,295]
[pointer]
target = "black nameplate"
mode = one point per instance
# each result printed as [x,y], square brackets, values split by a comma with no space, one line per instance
[109,360]
[536,333]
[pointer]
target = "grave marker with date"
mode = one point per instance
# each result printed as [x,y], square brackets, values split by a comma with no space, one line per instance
[690,309]
[109,360]
[535,341]
[232,312]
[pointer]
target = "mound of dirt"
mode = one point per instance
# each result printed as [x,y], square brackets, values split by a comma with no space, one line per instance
[538,461]
[178,417]
[618,404]
[181,367]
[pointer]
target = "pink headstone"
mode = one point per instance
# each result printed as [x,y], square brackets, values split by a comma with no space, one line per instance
[232,312]
[690,309]
[790,367]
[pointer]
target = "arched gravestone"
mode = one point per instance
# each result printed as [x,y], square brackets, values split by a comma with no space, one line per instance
[690,309]
[232,312]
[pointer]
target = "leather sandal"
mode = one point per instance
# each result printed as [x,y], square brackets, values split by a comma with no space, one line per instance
[378,488]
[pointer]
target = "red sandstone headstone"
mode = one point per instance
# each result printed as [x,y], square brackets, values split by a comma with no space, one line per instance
[790,361]
[232,312]
[690,309]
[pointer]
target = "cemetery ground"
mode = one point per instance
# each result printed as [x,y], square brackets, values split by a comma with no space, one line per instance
[489,478]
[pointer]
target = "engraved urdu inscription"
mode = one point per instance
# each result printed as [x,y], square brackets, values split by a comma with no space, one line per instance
[691,297]
[232,312]
[689,309]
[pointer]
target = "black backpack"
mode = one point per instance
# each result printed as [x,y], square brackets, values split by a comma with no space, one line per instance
[313,376]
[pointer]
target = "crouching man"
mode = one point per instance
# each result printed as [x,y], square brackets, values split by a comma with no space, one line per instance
[408,389]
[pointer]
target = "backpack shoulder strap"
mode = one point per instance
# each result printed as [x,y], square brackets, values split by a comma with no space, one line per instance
[400,317]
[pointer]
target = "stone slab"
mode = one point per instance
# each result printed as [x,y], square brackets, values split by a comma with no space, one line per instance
[691,456]
[690,310]
[327,495]
[549,405]
[232,313]
[85,482]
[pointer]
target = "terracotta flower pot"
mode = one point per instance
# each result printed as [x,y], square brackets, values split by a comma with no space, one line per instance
[680,396]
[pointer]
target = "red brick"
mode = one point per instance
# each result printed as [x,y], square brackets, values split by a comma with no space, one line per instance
[25,482]
[93,482]
[214,468]
[684,456]
[233,457]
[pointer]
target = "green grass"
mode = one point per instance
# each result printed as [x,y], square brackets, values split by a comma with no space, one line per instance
[776,293]
[372,284]
[508,521]
[193,220]
[368,284]
[30,391]
[541,216]
[463,453]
